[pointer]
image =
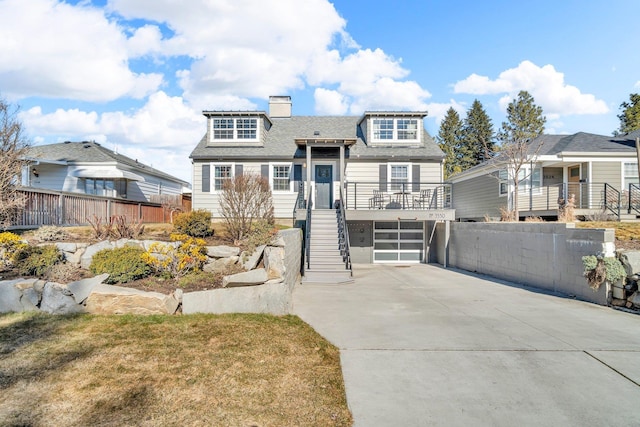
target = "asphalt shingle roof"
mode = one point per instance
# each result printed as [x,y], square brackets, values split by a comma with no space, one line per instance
[280,141]
[91,152]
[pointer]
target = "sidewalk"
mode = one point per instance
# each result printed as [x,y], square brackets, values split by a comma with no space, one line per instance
[424,346]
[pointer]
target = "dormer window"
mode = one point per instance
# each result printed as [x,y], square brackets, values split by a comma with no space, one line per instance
[391,129]
[235,129]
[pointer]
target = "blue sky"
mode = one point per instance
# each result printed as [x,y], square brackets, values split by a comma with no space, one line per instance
[136,74]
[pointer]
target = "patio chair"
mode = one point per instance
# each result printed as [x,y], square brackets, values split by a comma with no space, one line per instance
[423,200]
[378,200]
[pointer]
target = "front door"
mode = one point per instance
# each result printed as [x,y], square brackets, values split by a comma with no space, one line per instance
[324,186]
[575,187]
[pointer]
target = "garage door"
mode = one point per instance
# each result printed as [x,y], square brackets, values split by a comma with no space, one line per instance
[398,241]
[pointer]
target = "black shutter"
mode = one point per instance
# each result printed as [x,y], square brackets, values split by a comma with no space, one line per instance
[206,178]
[415,177]
[297,172]
[264,171]
[382,176]
[238,170]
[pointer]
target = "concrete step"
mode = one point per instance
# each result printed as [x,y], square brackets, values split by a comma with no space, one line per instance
[326,260]
[327,276]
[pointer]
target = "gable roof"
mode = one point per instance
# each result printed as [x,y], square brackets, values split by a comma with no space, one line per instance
[279,141]
[92,152]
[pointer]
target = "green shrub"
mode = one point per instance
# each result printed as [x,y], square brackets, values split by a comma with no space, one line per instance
[195,223]
[123,264]
[37,260]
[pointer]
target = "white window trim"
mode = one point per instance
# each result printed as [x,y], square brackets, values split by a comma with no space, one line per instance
[212,175]
[625,184]
[409,166]
[271,176]
[235,129]
[537,189]
[395,139]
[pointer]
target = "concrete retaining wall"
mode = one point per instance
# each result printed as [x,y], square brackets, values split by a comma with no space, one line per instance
[544,255]
[272,298]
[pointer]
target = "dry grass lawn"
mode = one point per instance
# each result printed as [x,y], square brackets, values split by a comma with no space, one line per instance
[200,370]
[627,233]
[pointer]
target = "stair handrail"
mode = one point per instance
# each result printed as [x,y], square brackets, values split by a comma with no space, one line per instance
[299,201]
[343,235]
[612,200]
[307,226]
[634,198]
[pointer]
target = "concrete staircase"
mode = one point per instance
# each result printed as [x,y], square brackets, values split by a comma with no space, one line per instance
[326,264]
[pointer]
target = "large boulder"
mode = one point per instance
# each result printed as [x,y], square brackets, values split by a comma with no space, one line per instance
[222,251]
[58,299]
[109,299]
[248,278]
[10,296]
[274,262]
[630,261]
[251,260]
[220,264]
[82,288]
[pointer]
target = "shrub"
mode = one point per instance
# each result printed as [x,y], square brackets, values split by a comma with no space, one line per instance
[50,233]
[176,260]
[10,245]
[245,199]
[599,269]
[117,227]
[123,264]
[262,233]
[195,223]
[37,260]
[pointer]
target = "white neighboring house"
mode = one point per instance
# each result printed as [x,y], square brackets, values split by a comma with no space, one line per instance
[89,168]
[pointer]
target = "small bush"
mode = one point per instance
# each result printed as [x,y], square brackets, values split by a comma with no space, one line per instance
[50,233]
[195,223]
[116,227]
[10,245]
[123,264]
[599,269]
[262,233]
[169,260]
[37,260]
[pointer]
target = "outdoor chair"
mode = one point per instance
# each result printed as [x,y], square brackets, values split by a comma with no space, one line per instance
[423,200]
[378,200]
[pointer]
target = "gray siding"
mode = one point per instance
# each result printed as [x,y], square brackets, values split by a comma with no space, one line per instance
[477,197]
[609,172]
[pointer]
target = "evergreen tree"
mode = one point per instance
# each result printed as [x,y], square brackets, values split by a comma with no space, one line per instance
[449,139]
[630,116]
[478,136]
[524,123]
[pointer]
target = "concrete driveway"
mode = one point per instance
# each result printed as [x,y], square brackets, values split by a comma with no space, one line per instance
[425,346]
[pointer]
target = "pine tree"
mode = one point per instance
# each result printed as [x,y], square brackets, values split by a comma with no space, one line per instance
[630,116]
[525,122]
[449,139]
[478,136]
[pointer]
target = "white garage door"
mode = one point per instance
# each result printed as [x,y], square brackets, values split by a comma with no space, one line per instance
[398,241]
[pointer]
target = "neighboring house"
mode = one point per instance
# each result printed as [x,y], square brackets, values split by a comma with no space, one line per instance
[600,172]
[383,167]
[89,168]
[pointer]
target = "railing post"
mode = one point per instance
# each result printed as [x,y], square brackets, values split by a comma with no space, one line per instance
[355,195]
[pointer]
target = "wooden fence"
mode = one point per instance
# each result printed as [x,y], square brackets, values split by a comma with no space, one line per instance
[44,207]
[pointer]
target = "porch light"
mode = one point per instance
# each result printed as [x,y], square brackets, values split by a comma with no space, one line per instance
[35,172]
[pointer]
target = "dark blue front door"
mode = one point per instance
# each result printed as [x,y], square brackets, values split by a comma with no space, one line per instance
[324,186]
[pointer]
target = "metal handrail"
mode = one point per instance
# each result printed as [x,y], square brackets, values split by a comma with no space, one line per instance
[343,235]
[299,201]
[612,200]
[307,227]
[396,195]
[634,198]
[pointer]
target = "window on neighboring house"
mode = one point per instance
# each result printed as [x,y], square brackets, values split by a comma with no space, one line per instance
[524,182]
[221,174]
[281,177]
[630,175]
[106,187]
[245,129]
[399,176]
[390,129]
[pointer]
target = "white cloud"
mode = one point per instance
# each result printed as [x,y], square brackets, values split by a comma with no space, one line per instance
[330,102]
[545,84]
[64,51]
[637,85]
[163,132]
[438,111]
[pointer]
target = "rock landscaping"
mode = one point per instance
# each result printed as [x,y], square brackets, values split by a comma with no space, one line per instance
[626,292]
[270,292]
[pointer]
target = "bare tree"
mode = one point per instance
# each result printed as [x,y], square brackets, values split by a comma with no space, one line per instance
[13,146]
[245,200]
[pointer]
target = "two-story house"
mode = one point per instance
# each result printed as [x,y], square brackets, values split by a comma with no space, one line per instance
[382,172]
